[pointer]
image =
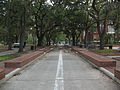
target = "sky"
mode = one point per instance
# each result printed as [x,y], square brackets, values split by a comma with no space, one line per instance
[48,1]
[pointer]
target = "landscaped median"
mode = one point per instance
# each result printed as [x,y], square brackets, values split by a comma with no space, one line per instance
[21,61]
[102,62]
[98,60]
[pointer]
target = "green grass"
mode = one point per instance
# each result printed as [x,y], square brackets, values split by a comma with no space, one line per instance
[5,57]
[105,51]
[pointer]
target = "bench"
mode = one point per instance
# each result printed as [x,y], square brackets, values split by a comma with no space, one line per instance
[2,74]
[117,73]
[23,60]
[98,60]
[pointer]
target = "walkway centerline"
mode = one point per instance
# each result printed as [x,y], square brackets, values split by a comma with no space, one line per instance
[59,81]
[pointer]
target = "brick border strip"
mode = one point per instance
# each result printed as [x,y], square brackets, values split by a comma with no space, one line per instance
[21,61]
[2,73]
[117,73]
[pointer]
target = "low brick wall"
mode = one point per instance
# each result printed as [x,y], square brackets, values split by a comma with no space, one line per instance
[117,73]
[117,58]
[2,74]
[109,54]
[98,60]
[23,60]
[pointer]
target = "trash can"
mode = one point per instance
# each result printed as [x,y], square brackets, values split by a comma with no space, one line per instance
[81,46]
[32,47]
[110,47]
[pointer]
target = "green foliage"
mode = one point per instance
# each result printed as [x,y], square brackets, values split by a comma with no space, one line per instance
[2,58]
[71,17]
[105,51]
[60,37]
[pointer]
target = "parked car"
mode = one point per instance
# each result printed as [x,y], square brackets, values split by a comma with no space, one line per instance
[16,45]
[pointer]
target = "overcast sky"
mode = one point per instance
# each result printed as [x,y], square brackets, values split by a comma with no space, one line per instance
[48,1]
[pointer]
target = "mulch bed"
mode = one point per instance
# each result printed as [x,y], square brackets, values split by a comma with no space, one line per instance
[3,50]
[109,54]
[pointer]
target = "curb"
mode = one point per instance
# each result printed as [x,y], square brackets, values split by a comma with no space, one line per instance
[11,74]
[105,71]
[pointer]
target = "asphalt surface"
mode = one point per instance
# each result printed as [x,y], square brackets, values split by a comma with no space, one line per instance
[15,50]
[60,70]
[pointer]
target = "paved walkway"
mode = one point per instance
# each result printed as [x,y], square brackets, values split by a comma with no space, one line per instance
[15,50]
[60,70]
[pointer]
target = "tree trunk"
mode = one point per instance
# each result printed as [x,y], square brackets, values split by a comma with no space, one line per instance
[22,33]
[101,36]
[21,42]
[102,33]
[101,42]
[69,40]
[9,26]
[9,40]
[73,40]
[16,38]
[9,44]
[49,42]
[40,40]
[86,38]
[77,40]
[54,42]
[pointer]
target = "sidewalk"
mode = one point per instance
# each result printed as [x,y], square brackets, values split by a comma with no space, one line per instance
[58,70]
[15,50]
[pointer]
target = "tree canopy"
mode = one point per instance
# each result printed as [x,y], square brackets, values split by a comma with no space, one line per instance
[47,20]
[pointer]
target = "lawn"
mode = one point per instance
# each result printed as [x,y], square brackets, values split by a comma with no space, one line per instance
[5,57]
[105,51]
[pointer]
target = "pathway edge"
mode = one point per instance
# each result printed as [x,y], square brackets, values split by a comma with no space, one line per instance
[105,71]
[16,71]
